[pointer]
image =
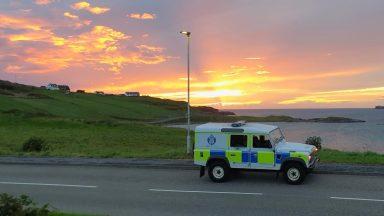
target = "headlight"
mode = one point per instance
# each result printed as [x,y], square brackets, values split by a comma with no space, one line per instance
[309,157]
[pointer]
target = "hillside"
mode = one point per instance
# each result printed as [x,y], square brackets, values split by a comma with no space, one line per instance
[90,125]
[30,101]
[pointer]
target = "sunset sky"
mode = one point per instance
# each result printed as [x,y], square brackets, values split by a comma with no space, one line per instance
[245,53]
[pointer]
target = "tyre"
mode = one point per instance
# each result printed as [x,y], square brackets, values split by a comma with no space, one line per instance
[294,173]
[218,171]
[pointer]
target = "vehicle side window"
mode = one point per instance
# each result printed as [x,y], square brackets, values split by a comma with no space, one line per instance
[261,142]
[238,141]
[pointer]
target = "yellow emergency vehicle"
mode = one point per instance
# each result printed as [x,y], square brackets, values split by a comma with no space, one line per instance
[224,146]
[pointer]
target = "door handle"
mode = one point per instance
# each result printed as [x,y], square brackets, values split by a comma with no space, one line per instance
[233,154]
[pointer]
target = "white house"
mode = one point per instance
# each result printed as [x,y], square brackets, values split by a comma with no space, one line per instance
[132,94]
[52,86]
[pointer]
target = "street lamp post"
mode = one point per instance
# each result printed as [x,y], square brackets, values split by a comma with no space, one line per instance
[189,150]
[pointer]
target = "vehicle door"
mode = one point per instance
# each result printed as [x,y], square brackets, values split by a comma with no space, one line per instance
[238,151]
[262,154]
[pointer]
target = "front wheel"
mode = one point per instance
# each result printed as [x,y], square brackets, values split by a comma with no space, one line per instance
[294,173]
[218,171]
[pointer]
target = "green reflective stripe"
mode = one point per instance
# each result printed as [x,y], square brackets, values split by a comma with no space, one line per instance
[234,156]
[201,155]
[265,157]
[299,155]
[228,137]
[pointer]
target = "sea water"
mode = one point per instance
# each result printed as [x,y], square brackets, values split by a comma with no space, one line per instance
[366,136]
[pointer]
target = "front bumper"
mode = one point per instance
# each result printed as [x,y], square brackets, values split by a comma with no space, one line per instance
[313,162]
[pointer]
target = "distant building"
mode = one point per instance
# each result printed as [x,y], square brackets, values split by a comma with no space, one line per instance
[99,92]
[132,94]
[80,91]
[64,88]
[52,86]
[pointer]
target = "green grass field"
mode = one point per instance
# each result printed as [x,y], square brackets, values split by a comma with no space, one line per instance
[89,125]
[335,156]
[40,102]
[81,138]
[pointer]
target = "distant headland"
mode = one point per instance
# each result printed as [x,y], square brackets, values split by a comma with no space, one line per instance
[379,107]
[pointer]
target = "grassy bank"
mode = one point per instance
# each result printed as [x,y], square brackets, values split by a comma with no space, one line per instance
[83,138]
[335,156]
[79,138]
[89,125]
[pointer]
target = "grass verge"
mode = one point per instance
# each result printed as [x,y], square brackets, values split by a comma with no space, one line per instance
[79,138]
[336,156]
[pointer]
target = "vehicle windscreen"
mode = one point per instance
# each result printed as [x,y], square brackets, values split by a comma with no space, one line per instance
[276,136]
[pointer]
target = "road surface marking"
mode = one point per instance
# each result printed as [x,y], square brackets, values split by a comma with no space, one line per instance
[43,184]
[357,199]
[204,192]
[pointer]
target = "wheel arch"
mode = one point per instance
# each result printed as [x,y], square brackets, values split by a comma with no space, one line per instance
[213,159]
[290,160]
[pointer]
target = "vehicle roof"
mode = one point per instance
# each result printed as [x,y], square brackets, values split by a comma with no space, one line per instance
[249,127]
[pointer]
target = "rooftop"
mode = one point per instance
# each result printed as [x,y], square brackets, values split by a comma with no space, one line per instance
[249,127]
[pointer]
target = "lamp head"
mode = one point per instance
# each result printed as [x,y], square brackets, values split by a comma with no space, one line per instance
[188,34]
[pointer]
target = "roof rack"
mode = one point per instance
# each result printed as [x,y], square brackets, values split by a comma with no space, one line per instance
[238,124]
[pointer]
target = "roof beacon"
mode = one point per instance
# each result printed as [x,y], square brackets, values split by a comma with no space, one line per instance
[238,124]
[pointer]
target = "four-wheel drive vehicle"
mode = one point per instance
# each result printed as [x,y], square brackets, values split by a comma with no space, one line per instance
[223,146]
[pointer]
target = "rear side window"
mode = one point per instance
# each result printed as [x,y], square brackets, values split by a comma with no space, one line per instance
[238,141]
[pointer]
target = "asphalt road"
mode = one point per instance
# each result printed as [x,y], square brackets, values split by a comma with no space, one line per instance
[145,191]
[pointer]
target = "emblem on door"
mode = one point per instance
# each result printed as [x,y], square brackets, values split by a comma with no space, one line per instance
[211,140]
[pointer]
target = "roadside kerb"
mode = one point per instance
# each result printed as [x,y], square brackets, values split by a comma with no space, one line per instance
[323,168]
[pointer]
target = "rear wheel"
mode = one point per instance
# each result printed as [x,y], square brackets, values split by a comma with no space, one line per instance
[294,173]
[218,171]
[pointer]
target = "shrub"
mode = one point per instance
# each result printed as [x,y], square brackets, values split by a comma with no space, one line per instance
[34,144]
[21,206]
[315,141]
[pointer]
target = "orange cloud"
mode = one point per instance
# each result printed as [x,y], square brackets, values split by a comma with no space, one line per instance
[87,6]
[228,103]
[12,68]
[202,94]
[150,48]
[337,96]
[78,23]
[69,15]
[43,2]
[17,23]
[101,47]
[144,16]
[252,58]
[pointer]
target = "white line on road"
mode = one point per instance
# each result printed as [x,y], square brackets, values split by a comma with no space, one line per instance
[357,199]
[43,184]
[204,192]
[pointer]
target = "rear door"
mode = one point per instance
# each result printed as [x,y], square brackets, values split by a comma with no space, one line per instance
[238,151]
[262,154]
